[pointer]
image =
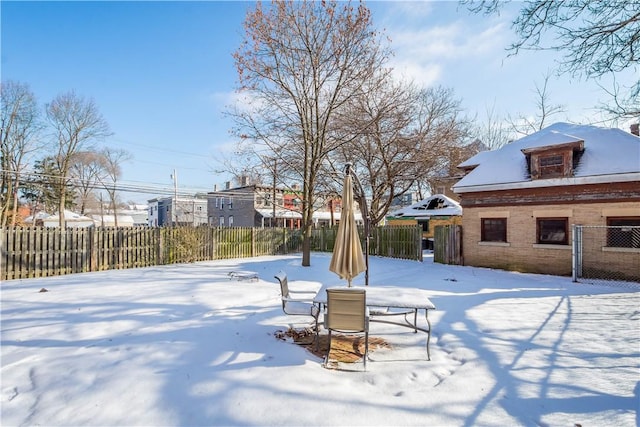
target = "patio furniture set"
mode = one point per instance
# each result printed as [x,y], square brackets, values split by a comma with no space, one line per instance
[352,309]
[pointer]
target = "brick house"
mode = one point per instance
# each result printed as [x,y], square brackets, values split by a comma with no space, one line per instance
[443,181]
[520,201]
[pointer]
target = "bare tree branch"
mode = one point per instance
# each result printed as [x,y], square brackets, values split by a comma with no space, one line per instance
[76,122]
[19,132]
[595,38]
[300,63]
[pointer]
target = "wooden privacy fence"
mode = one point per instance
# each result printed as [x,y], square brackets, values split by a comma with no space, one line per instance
[447,244]
[403,242]
[27,252]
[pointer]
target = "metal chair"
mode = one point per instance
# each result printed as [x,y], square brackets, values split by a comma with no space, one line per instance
[347,313]
[302,305]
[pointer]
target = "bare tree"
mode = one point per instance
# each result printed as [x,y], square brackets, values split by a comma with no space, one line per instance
[298,64]
[595,38]
[20,127]
[626,104]
[401,135]
[545,109]
[76,122]
[380,124]
[494,131]
[87,169]
[112,161]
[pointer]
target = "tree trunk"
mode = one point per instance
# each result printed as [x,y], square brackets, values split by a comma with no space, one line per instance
[61,204]
[15,205]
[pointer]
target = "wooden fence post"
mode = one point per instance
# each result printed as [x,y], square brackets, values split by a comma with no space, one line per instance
[159,247]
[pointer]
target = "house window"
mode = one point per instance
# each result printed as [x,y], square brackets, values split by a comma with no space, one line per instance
[552,231]
[231,221]
[230,203]
[623,232]
[425,225]
[221,221]
[493,230]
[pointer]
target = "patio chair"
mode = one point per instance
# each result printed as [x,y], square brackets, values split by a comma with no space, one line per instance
[298,304]
[347,312]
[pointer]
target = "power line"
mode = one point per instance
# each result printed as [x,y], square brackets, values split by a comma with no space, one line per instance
[124,186]
[142,188]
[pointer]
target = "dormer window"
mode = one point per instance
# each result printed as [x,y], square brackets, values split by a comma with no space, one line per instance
[555,161]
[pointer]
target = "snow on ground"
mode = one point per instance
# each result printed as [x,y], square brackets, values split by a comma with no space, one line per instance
[186,345]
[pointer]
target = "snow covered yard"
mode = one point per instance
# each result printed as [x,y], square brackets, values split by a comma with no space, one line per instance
[191,345]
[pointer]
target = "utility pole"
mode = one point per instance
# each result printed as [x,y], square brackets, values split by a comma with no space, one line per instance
[174,207]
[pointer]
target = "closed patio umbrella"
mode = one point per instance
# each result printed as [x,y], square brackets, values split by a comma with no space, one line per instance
[347,260]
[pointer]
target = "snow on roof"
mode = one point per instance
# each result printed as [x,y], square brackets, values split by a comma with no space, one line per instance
[38,215]
[280,213]
[474,160]
[69,216]
[610,154]
[436,205]
[318,215]
[123,220]
[326,215]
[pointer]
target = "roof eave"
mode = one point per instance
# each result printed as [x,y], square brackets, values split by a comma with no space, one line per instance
[540,183]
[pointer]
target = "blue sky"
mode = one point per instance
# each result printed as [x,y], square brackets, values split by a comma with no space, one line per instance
[161,73]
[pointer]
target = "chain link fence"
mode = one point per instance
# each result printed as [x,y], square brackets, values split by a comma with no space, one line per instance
[606,254]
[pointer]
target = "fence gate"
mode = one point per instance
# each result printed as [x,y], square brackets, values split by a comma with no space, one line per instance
[447,244]
[606,253]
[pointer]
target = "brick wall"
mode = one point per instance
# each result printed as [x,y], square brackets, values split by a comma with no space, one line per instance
[521,253]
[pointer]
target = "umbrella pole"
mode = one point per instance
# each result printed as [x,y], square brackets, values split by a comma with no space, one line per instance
[362,201]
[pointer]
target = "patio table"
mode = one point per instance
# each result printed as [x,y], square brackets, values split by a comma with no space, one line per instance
[399,300]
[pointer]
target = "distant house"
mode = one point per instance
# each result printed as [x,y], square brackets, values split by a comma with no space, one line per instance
[109,220]
[139,214]
[71,220]
[428,213]
[181,211]
[521,200]
[37,219]
[443,180]
[254,205]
